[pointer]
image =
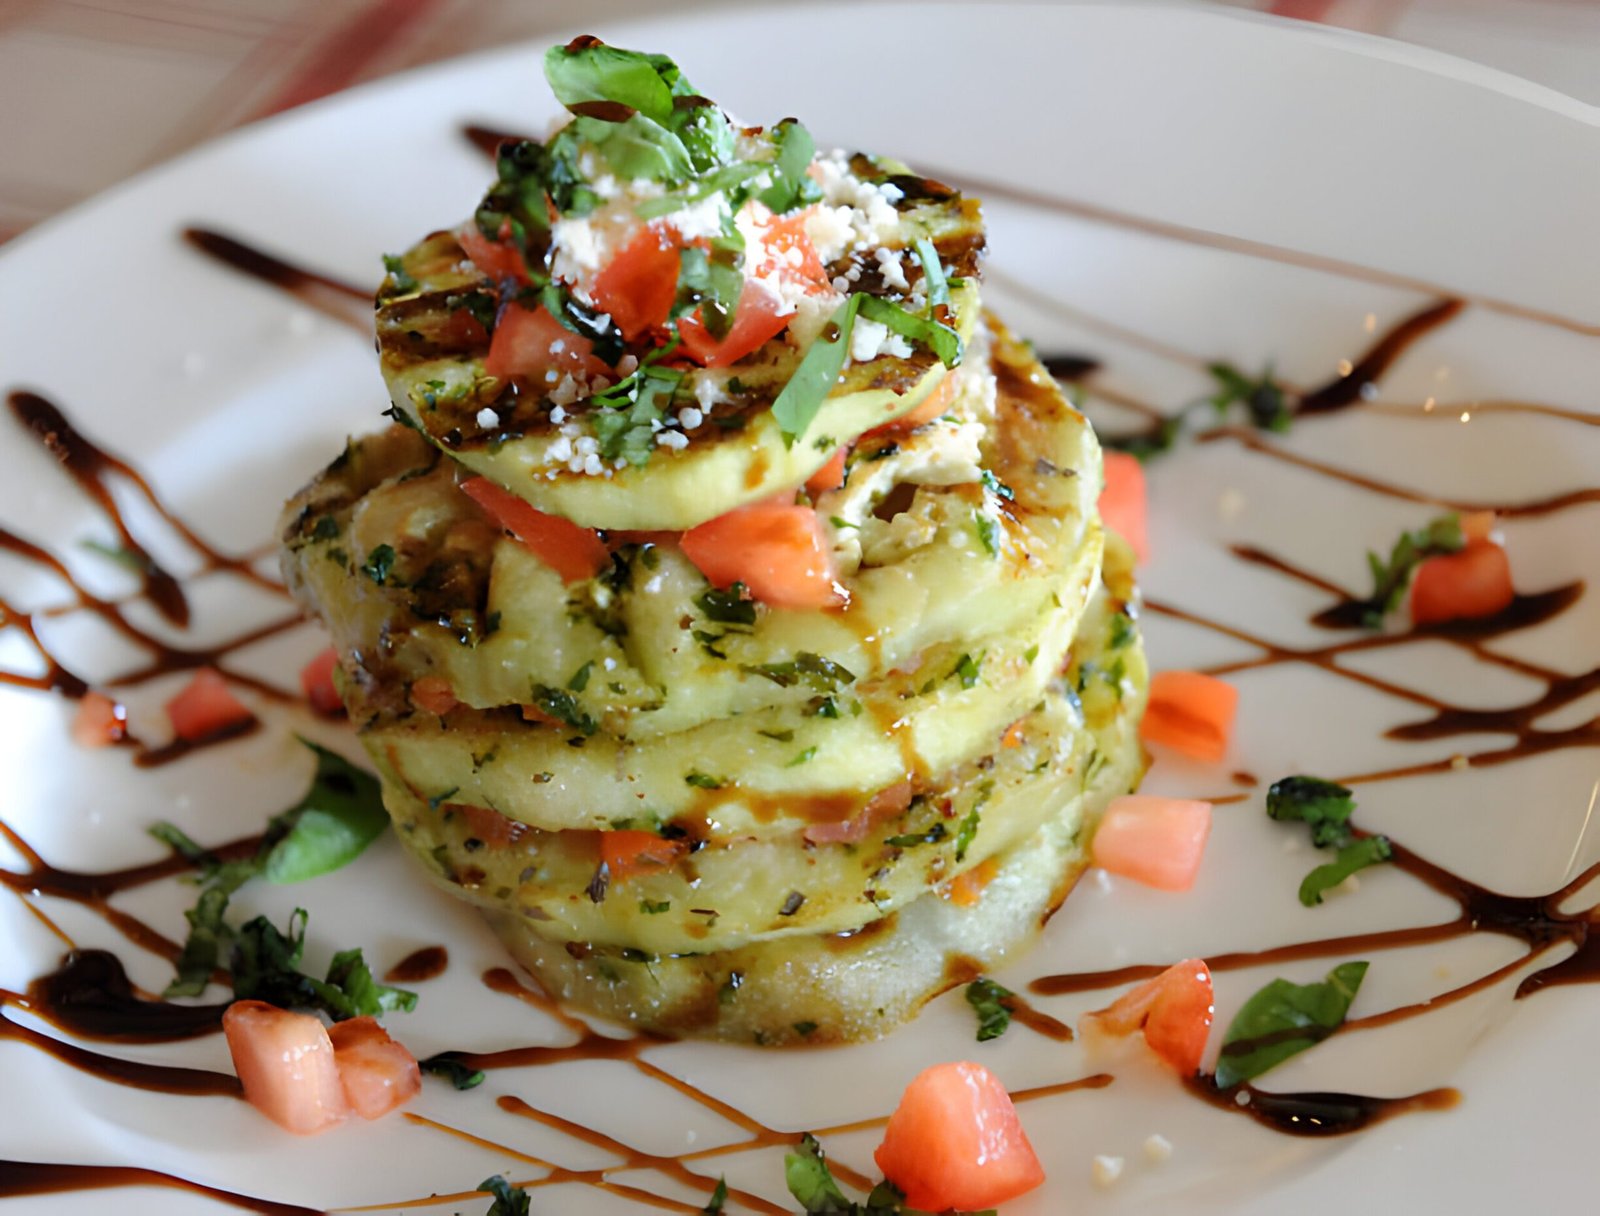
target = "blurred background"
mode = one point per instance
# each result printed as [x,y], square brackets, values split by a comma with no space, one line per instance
[95,90]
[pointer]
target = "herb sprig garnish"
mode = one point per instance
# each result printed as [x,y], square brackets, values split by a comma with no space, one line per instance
[1326,808]
[812,1184]
[1267,405]
[989,1002]
[339,816]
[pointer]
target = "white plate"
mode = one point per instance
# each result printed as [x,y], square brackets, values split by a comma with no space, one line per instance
[229,394]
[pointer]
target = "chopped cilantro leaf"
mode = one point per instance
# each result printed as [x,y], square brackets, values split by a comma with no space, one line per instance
[966,670]
[266,967]
[802,757]
[995,486]
[819,672]
[966,833]
[561,705]
[704,781]
[580,678]
[508,1200]
[1324,806]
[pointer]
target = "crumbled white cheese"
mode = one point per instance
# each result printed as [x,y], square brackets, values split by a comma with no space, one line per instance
[558,416]
[841,284]
[1106,1170]
[831,231]
[566,391]
[707,391]
[560,451]
[592,465]
[866,340]
[676,440]
[896,346]
[588,445]
[689,418]
[700,220]
[889,267]
[1157,1148]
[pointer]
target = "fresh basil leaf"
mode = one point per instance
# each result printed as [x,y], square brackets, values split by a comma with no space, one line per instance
[626,432]
[508,1200]
[1357,855]
[988,1000]
[817,374]
[711,281]
[791,186]
[638,148]
[340,815]
[1282,1020]
[725,179]
[935,288]
[1324,806]
[936,336]
[349,975]
[707,135]
[806,1173]
[597,72]
[452,1070]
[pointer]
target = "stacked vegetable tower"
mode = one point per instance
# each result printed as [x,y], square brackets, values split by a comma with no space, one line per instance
[725,613]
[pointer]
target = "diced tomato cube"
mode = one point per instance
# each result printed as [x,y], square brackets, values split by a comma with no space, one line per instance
[1191,713]
[777,549]
[207,709]
[758,317]
[530,342]
[1175,1009]
[1153,840]
[499,259]
[955,1142]
[830,476]
[376,1073]
[638,286]
[287,1066]
[1472,583]
[573,552]
[99,721]
[316,678]
[1122,502]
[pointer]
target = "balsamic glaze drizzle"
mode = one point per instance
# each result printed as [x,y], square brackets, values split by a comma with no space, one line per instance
[90,996]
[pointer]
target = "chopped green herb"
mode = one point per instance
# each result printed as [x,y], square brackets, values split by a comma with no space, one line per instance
[452,1070]
[825,707]
[995,486]
[580,678]
[1326,808]
[266,967]
[1391,578]
[379,564]
[817,374]
[935,335]
[967,832]
[932,836]
[819,672]
[1282,1020]
[181,843]
[966,670]
[934,286]
[732,606]
[778,736]
[802,757]
[1031,653]
[508,1200]
[719,1197]
[987,528]
[561,705]
[404,283]
[988,1000]
[704,781]
[653,907]
[811,1182]
[1122,631]
[791,186]
[805,1029]
[1262,398]
[123,555]
[839,522]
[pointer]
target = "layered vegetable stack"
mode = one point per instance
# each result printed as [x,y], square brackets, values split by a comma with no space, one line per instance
[725,613]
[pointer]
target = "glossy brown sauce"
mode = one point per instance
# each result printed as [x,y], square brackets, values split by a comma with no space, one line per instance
[428,963]
[47,1178]
[90,996]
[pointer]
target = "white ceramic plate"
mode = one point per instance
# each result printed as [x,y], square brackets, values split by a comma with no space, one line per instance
[1424,170]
